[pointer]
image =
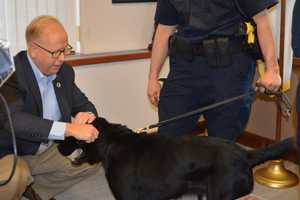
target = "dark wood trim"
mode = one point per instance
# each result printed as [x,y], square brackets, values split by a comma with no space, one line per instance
[281,64]
[278,124]
[90,59]
[256,141]
[296,62]
[282,35]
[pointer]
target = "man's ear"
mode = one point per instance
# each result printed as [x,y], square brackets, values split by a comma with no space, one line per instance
[33,51]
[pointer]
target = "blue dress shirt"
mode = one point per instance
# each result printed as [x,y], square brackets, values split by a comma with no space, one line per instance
[51,109]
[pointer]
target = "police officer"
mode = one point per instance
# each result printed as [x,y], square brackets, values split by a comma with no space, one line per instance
[210,61]
[296,29]
[298,121]
[296,50]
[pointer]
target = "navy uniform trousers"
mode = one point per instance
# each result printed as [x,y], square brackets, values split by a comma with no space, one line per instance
[296,49]
[298,120]
[191,85]
[296,29]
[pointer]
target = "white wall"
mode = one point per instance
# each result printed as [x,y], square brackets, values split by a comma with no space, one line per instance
[119,91]
[288,53]
[107,27]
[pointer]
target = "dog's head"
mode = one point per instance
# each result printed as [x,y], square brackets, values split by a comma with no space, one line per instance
[89,151]
[101,124]
[94,152]
[110,131]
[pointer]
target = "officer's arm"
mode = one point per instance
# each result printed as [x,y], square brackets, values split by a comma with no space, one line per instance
[160,49]
[271,79]
[159,55]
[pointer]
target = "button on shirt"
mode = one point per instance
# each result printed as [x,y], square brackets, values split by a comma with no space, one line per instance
[51,109]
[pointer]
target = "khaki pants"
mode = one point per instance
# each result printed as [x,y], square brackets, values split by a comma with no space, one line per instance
[54,173]
[15,188]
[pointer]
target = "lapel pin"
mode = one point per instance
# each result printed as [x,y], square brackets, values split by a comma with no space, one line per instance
[58,85]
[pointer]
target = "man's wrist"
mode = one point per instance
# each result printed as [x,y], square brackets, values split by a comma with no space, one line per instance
[153,76]
[68,130]
[154,72]
[272,67]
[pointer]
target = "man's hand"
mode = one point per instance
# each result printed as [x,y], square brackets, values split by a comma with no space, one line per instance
[271,80]
[84,118]
[153,91]
[85,132]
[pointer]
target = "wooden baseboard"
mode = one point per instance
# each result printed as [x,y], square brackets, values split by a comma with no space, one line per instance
[252,140]
[257,141]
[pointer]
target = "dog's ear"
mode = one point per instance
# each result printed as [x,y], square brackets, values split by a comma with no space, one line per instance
[67,146]
[100,123]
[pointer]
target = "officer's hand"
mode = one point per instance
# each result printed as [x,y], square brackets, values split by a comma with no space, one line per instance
[85,132]
[153,91]
[84,118]
[270,79]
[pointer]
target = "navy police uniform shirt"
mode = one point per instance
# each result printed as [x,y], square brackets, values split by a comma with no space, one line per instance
[204,17]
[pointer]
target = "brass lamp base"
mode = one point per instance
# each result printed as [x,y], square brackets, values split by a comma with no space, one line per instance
[275,175]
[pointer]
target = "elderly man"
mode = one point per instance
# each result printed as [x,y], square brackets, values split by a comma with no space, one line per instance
[46,107]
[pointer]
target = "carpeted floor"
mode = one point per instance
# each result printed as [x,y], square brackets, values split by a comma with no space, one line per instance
[96,188]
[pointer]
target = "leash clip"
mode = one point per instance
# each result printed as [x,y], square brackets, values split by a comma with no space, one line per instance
[284,104]
[141,130]
[146,130]
[281,99]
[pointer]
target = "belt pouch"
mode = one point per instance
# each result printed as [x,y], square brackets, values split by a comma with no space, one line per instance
[210,48]
[224,54]
[181,47]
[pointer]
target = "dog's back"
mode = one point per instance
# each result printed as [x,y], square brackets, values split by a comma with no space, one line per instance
[209,145]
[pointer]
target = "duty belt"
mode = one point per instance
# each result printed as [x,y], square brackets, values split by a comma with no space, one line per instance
[233,45]
[218,50]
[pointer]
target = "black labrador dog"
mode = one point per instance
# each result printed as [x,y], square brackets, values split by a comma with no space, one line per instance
[154,167]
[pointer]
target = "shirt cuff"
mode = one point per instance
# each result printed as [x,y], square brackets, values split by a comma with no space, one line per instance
[57,131]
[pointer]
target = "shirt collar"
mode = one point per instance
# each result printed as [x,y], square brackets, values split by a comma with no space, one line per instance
[37,73]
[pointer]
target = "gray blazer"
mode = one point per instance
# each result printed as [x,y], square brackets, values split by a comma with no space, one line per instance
[24,99]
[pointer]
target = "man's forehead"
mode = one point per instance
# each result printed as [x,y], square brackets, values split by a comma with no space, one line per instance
[54,35]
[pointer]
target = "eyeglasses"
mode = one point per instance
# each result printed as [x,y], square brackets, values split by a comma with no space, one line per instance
[55,54]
